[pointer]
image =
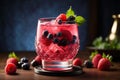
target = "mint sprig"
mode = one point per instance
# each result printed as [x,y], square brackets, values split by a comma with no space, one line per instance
[78,19]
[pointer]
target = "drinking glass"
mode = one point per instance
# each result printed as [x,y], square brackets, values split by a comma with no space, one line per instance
[56,43]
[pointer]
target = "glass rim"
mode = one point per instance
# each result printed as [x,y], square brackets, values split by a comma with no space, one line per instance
[51,18]
[47,18]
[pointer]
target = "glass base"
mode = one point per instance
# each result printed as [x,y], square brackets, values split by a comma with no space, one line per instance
[56,65]
[76,70]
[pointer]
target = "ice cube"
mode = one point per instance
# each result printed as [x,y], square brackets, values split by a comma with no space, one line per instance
[55,48]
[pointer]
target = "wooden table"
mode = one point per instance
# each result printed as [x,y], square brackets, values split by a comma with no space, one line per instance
[89,74]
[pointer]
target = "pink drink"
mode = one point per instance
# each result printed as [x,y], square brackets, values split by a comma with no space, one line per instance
[56,44]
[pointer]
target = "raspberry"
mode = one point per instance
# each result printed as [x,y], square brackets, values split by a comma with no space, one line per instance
[77,62]
[12,60]
[67,35]
[10,68]
[61,17]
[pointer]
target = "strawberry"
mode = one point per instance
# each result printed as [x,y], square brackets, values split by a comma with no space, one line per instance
[96,59]
[62,17]
[77,62]
[12,60]
[10,68]
[104,64]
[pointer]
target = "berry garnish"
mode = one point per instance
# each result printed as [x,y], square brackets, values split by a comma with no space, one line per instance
[56,40]
[45,33]
[49,36]
[78,19]
[59,21]
[77,62]
[25,66]
[61,17]
[71,18]
[24,60]
[10,68]
[88,64]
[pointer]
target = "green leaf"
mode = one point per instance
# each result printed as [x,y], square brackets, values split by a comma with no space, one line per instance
[110,58]
[104,55]
[93,54]
[13,55]
[79,20]
[70,12]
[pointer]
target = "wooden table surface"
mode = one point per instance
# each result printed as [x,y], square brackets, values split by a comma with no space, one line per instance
[89,74]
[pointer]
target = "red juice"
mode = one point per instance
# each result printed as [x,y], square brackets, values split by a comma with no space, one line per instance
[56,44]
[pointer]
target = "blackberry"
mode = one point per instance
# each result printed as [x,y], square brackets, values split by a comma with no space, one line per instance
[24,60]
[19,64]
[73,39]
[25,66]
[45,33]
[59,34]
[59,21]
[88,64]
[63,42]
[49,36]
[55,40]
[71,20]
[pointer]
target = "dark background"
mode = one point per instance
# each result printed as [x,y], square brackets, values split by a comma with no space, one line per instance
[18,20]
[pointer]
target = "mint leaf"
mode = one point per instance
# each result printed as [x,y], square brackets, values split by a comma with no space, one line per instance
[70,12]
[79,20]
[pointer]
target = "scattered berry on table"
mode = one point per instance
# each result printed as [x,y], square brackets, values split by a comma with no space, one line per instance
[88,64]
[25,66]
[24,60]
[77,62]
[10,68]
[12,60]
[19,64]
[96,59]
